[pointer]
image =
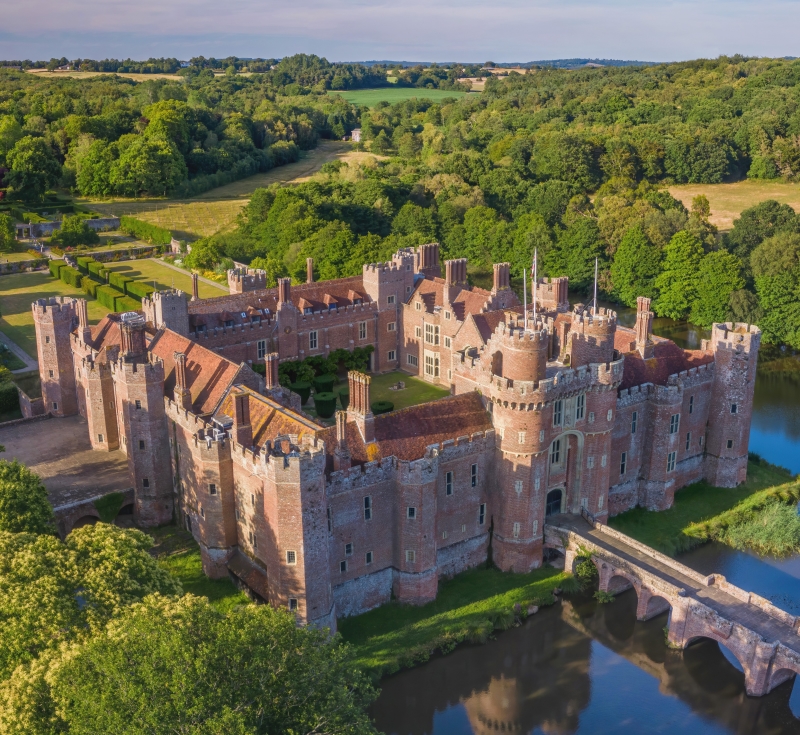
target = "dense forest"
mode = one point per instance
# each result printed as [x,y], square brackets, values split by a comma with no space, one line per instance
[574,164]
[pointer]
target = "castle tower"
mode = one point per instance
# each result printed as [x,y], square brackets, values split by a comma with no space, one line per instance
[242,280]
[644,328]
[591,337]
[168,309]
[139,383]
[54,320]
[287,318]
[552,294]
[735,349]
[100,414]
[517,353]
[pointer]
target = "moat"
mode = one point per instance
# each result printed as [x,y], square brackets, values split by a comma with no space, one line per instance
[581,667]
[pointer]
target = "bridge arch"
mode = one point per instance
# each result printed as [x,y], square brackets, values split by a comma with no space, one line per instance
[87,520]
[781,675]
[723,643]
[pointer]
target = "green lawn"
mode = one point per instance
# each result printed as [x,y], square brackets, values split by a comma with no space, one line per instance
[16,257]
[155,273]
[371,97]
[178,553]
[416,390]
[663,529]
[468,608]
[20,290]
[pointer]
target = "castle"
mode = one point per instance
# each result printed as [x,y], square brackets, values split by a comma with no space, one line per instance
[554,411]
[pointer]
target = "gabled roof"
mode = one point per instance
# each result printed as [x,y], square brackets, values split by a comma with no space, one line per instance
[469,300]
[668,359]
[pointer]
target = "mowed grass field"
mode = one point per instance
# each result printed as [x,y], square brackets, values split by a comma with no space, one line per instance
[371,97]
[729,200]
[19,291]
[160,276]
[216,210]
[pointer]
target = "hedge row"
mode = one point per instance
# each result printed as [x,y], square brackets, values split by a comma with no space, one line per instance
[89,286]
[71,276]
[145,231]
[55,266]
[118,281]
[107,296]
[126,303]
[138,290]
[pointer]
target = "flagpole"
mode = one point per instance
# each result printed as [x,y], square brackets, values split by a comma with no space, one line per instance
[535,288]
[594,308]
[525,297]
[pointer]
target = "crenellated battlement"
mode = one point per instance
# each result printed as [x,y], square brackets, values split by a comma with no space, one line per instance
[693,377]
[55,306]
[516,334]
[361,476]
[635,394]
[603,320]
[734,337]
[246,279]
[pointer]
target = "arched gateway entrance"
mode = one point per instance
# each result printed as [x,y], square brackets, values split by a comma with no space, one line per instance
[553,505]
[564,463]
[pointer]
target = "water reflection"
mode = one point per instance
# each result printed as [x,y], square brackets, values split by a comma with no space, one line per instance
[579,667]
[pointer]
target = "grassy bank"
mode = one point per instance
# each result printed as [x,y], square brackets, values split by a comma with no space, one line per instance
[701,511]
[468,608]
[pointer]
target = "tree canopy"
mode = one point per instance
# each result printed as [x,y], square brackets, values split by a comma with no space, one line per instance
[24,506]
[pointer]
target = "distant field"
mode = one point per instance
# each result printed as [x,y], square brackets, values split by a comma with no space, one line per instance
[161,276]
[19,291]
[729,200]
[87,74]
[371,97]
[216,210]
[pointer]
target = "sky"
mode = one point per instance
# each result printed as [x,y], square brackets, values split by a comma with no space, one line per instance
[445,30]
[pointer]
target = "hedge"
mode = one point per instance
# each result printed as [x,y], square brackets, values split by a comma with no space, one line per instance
[89,286]
[303,389]
[71,276]
[126,303]
[95,266]
[344,397]
[380,407]
[324,383]
[138,290]
[107,295]
[144,231]
[83,264]
[325,404]
[55,266]
[118,281]
[9,397]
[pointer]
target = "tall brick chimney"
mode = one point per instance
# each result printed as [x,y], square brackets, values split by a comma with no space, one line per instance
[182,395]
[284,291]
[309,270]
[83,321]
[271,373]
[455,278]
[195,288]
[341,455]
[242,430]
[132,338]
[644,328]
[502,277]
[359,408]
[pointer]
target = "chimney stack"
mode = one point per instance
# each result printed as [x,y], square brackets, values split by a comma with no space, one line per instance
[83,321]
[644,328]
[359,408]
[195,295]
[271,372]
[182,395]
[341,455]
[309,270]
[502,277]
[242,430]
[284,291]
[132,338]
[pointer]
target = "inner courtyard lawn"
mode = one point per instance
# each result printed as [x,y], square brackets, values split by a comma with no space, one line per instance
[416,390]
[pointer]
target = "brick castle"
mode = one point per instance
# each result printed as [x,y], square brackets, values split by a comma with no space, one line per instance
[563,411]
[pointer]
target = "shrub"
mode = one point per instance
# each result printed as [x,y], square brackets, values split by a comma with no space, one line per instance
[70,276]
[94,266]
[144,231]
[325,404]
[74,231]
[118,281]
[107,296]
[603,597]
[89,286]
[380,407]
[138,290]
[126,303]
[83,264]
[9,397]
[324,383]
[303,389]
[55,266]
[344,397]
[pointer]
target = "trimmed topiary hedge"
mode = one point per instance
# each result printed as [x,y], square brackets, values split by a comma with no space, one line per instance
[138,290]
[55,266]
[118,281]
[95,266]
[344,397]
[71,276]
[126,303]
[145,231]
[303,389]
[325,404]
[324,383]
[89,286]
[107,296]
[380,407]
[83,264]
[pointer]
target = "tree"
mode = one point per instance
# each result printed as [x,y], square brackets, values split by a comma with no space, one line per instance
[74,231]
[7,233]
[24,507]
[776,269]
[10,133]
[532,235]
[719,276]
[94,169]
[574,254]
[758,223]
[149,165]
[380,143]
[566,157]
[34,168]
[180,666]
[412,218]
[205,254]
[53,591]
[678,282]
[636,265]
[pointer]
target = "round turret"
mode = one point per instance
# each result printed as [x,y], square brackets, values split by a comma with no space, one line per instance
[518,353]
[591,337]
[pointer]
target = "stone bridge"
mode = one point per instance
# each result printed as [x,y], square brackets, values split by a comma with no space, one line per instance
[763,638]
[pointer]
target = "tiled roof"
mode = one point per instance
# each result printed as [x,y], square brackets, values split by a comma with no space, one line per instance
[268,418]
[208,374]
[488,321]
[668,359]
[406,433]
[469,300]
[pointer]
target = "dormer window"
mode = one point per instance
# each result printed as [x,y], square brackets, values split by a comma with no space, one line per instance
[255,319]
[331,306]
[358,301]
[228,322]
[201,329]
[244,316]
[308,310]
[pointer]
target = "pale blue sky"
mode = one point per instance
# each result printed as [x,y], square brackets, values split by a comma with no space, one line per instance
[464,30]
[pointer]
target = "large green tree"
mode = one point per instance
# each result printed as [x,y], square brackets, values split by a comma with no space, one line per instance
[149,165]
[776,269]
[75,231]
[10,133]
[758,223]
[678,282]
[34,168]
[636,265]
[24,506]
[719,275]
[180,666]
[574,254]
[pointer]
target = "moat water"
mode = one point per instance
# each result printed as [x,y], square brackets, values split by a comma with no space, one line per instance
[581,667]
